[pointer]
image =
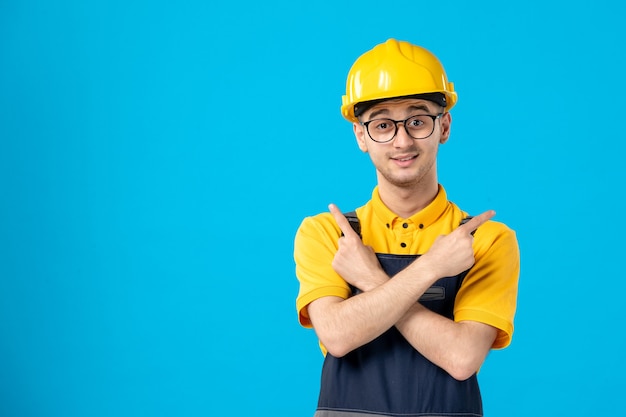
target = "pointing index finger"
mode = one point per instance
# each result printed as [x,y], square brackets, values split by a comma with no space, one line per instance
[341,220]
[470,225]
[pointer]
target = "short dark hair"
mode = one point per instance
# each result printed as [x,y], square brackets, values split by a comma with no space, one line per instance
[438,98]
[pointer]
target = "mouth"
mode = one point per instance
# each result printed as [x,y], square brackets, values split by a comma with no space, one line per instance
[404,161]
[404,158]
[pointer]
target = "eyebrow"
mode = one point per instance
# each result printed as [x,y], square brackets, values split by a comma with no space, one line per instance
[385,112]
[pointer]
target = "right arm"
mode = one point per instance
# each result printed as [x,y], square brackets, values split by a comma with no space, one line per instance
[344,325]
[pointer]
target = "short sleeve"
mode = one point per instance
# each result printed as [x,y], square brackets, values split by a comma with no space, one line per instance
[315,246]
[489,291]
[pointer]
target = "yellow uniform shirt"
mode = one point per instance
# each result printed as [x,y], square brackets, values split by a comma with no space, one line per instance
[488,293]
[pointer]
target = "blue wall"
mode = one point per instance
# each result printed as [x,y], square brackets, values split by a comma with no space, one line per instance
[157,157]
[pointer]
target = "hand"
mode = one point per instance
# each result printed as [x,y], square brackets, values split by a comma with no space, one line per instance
[355,262]
[453,253]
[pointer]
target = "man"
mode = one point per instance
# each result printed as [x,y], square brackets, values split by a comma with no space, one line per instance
[410,345]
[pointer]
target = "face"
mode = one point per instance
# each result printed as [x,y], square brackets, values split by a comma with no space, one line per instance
[404,162]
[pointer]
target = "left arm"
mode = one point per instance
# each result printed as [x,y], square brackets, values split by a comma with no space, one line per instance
[484,308]
[459,348]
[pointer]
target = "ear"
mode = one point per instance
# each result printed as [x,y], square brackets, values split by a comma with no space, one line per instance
[446,122]
[359,134]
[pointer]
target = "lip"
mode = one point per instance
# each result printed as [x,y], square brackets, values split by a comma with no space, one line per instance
[404,160]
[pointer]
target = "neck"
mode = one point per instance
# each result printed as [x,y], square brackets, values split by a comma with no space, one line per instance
[406,201]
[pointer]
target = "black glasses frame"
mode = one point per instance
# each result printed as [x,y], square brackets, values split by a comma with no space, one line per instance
[395,123]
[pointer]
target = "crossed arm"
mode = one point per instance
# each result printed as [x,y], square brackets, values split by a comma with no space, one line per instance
[343,325]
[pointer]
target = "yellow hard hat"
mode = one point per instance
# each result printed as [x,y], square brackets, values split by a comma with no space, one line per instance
[396,69]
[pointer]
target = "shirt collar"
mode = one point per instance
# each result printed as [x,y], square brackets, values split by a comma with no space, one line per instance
[425,217]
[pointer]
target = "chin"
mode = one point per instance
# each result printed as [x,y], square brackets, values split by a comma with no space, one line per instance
[403,182]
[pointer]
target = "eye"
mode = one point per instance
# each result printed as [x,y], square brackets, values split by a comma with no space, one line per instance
[381,124]
[415,122]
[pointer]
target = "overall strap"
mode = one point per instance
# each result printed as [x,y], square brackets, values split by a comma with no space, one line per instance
[465,220]
[354,222]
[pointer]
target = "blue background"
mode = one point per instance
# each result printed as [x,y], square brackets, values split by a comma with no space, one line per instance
[157,157]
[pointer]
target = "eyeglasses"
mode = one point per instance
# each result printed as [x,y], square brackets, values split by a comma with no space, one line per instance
[418,127]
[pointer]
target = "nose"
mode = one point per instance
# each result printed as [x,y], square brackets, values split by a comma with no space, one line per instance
[402,138]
